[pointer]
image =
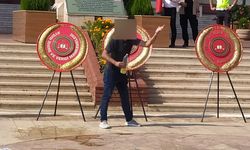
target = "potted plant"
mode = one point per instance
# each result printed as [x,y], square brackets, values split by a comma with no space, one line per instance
[139,7]
[243,30]
[96,31]
[32,19]
[240,16]
[142,11]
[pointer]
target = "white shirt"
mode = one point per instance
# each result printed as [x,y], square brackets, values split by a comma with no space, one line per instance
[171,3]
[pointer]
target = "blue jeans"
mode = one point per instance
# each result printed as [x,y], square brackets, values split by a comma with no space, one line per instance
[113,78]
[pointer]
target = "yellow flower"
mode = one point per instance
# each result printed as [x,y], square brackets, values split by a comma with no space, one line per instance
[108,20]
[103,34]
[107,27]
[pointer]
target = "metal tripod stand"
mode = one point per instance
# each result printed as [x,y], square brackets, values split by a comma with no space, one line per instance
[218,95]
[57,95]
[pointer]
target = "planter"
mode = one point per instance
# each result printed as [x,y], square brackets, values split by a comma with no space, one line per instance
[243,34]
[150,23]
[27,25]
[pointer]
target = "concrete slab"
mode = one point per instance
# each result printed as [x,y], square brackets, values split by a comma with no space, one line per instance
[162,131]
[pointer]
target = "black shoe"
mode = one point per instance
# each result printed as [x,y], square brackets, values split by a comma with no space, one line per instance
[172,46]
[185,45]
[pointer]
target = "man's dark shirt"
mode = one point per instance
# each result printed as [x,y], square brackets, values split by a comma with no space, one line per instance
[118,49]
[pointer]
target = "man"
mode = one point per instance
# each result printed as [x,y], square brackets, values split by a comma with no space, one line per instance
[170,10]
[222,9]
[116,49]
[188,12]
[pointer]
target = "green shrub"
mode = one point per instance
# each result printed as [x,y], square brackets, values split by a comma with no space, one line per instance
[239,11]
[43,5]
[139,7]
[243,23]
[241,16]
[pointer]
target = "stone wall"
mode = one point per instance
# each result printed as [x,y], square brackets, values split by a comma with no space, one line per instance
[6,17]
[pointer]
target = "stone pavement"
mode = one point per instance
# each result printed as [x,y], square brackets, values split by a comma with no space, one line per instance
[21,131]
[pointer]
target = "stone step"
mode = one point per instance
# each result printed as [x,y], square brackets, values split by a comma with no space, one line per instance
[229,100]
[183,54]
[161,52]
[145,72]
[6,30]
[197,107]
[6,17]
[9,6]
[188,89]
[185,59]
[18,47]
[38,86]
[176,76]
[35,105]
[187,66]
[15,61]
[5,24]
[39,95]
[27,69]
[5,27]
[172,51]
[197,98]
[42,78]
[18,53]
[171,81]
[24,80]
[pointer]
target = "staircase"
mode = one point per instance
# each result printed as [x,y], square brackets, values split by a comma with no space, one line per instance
[24,80]
[178,82]
[6,17]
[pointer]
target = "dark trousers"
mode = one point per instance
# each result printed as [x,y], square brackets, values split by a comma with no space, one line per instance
[223,15]
[111,80]
[172,13]
[184,26]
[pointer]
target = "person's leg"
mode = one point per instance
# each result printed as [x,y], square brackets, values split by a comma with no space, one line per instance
[184,26]
[194,26]
[172,13]
[123,91]
[109,84]
[220,17]
[227,18]
[173,26]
